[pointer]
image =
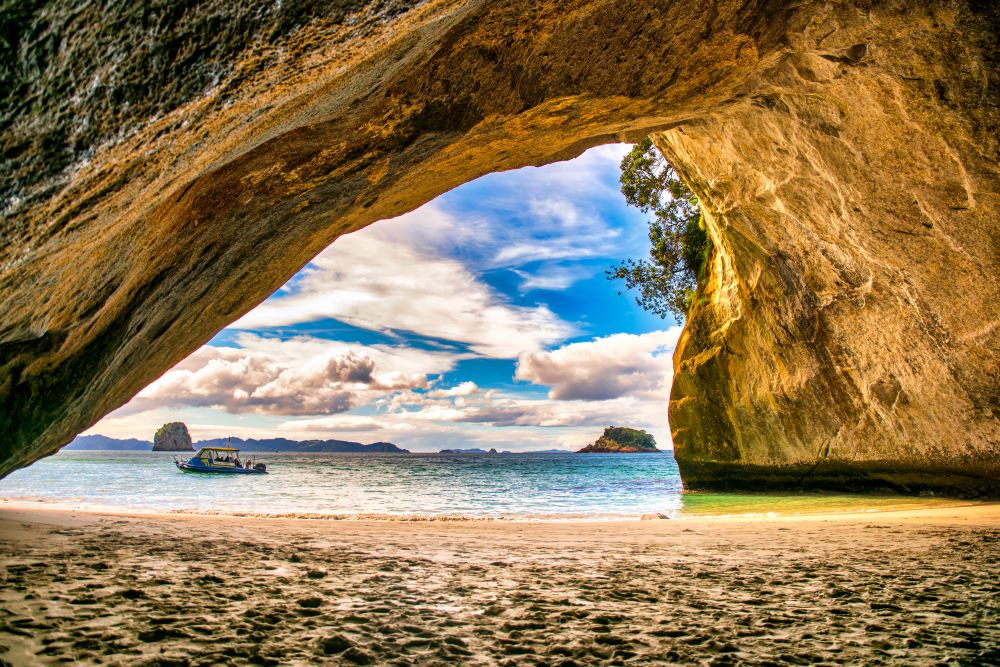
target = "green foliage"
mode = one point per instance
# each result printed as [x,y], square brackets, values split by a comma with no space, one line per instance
[630,437]
[679,246]
[622,439]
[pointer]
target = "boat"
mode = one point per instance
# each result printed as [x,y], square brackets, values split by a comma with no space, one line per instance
[221,460]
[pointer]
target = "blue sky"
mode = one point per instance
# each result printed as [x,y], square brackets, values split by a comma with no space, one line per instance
[482,319]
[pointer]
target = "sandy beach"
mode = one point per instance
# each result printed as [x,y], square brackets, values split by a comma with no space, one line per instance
[909,587]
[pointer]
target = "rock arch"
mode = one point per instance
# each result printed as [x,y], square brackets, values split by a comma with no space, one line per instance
[846,152]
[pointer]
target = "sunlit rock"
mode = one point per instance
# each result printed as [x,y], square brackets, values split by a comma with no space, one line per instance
[172,437]
[165,170]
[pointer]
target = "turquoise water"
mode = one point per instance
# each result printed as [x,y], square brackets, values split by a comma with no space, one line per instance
[592,486]
[507,485]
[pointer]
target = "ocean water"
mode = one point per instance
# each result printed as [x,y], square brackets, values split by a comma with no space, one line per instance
[512,486]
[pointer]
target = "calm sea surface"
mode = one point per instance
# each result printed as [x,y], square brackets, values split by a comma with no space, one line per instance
[545,486]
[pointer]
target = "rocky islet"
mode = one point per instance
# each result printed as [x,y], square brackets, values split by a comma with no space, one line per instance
[622,440]
[172,437]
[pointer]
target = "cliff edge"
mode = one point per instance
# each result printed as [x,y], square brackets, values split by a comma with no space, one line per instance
[846,336]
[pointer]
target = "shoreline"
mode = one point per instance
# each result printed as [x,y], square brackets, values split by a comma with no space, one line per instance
[911,505]
[906,586]
[987,511]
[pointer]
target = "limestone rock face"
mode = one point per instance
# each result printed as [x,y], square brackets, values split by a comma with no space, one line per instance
[165,170]
[173,437]
[848,337]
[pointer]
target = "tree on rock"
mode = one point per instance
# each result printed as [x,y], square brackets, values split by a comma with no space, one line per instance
[679,246]
[622,440]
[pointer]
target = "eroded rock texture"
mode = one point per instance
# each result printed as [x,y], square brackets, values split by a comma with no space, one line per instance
[172,437]
[848,336]
[166,168]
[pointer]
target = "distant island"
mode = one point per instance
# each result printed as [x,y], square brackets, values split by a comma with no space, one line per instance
[103,442]
[621,440]
[324,446]
[475,450]
[99,442]
[471,450]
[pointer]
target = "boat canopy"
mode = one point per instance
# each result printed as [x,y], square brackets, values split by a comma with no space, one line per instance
[211,459]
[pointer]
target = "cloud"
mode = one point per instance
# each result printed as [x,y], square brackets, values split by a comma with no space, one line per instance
[296,376]
[552,277]
[499,409]
[551,414]
[463,389]
[592,175]
[561,207]
[559,229]
[604,368]
[372,282]
[342,424]
[421,272]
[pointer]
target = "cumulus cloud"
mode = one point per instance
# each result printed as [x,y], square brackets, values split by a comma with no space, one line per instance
[466,388]
[494,408]
[604,368]
[420,272]
[372,282]
[506,219]
[297,376]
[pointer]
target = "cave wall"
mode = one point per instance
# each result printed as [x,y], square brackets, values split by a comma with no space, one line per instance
[848,336]
[140,215]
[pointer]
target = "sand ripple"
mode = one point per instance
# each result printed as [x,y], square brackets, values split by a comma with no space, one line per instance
[236,592]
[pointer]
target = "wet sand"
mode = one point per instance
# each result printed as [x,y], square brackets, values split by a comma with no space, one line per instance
[912,587]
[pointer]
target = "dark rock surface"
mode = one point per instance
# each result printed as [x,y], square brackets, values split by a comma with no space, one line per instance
[172,437]
[847,154]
